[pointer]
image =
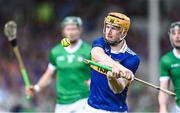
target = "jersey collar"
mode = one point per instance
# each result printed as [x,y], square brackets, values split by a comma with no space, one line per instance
[122,50]
[75,47]
[176,54]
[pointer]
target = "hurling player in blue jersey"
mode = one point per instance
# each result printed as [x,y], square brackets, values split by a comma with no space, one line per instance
[108,94]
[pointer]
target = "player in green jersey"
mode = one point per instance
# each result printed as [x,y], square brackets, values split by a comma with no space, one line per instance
[72,76]
[170,69]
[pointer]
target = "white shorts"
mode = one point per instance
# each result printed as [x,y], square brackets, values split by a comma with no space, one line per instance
[76,107]
[177,109]
[90,109]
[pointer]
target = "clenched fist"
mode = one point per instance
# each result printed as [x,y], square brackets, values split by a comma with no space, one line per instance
[121,72]
[30,91]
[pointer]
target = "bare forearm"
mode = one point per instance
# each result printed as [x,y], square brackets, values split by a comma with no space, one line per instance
[163,101]
[102,58]
[106,60]
[163,97]
[44,81]
[46,78]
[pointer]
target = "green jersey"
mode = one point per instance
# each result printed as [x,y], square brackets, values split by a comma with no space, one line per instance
[72,73]
[170,67]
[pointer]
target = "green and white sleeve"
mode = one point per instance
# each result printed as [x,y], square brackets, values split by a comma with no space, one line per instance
[52,63]
[164,71]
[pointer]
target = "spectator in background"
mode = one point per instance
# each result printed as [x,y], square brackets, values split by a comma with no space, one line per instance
[170,69]
[72,76]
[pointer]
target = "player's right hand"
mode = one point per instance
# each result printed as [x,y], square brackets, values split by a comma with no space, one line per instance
[30,91]
[128,74]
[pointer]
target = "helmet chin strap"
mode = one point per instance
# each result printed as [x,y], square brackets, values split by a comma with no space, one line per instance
[173,45]
[74,41]
[114,43]
[178,48]
[123,37]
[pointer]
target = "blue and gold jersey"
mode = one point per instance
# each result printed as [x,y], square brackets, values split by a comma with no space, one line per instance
[101,96]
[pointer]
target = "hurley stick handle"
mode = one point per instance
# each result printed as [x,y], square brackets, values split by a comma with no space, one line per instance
[22,68]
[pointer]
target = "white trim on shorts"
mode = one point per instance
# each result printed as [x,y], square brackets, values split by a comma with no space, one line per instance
[177,109]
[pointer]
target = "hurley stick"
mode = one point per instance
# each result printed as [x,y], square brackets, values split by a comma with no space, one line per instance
[137,79]
[10,30]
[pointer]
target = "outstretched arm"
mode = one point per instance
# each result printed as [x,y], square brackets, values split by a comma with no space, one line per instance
[46,78]
[116,83]
[163,97]
[43,82]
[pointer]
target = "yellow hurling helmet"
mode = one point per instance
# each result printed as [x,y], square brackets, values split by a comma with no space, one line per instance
[118,19]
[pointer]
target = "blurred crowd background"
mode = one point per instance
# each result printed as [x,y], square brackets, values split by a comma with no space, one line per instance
[39,30]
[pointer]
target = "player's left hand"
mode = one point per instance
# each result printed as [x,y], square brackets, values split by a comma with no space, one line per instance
[127,74]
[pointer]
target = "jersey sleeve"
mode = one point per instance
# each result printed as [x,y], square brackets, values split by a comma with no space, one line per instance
[52,58]
[163,68]
[132,63]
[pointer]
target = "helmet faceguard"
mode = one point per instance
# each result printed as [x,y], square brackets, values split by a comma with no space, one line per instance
[119,20]
[72,20]
[174,27]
